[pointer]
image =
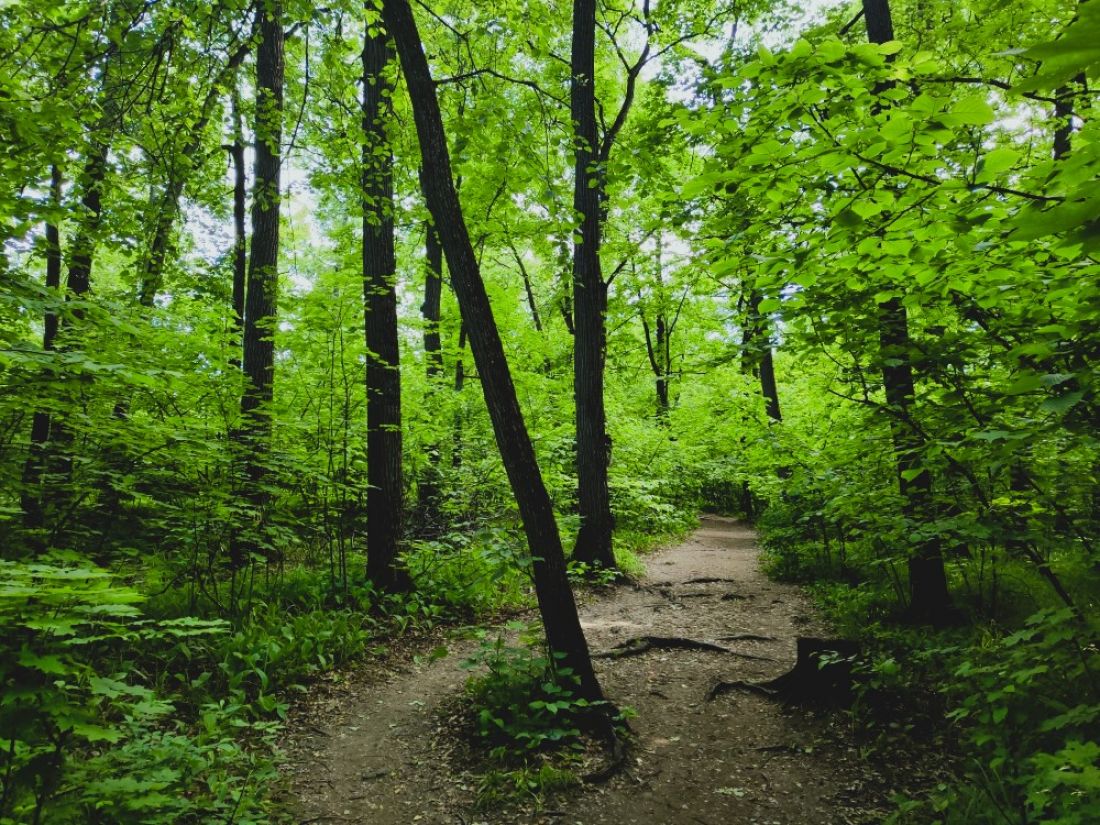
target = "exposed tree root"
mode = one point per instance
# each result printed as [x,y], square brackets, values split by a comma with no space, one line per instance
[821,676]
[677,596]
[605,726]
[644,644]
[746,637]
[709,580]
[749,687]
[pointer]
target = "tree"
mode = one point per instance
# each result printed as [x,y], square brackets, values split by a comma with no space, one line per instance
[929,599]
[564,635]
[385,508]
[589,299]
[31,493]
[261,301]
[428,488]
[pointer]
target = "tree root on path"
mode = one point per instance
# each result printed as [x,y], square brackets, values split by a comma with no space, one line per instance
[746,637]
[617,749]
[821,676]
[749,687]
[643,644]
[708,580]
[606,724]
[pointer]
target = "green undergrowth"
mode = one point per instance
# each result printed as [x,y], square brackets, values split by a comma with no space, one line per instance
[158,698]
[1009,699]
[526,722]
[135,702]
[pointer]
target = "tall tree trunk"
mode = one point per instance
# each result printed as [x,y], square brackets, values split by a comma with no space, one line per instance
[428,488]
[31,496]
[557,606]
[929,599]
[162,242]
[460,382]
[152,274]
[385,508]
[263,273]
[589,302]
[240,236]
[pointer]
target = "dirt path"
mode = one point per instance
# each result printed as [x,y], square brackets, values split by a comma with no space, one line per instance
[367,750]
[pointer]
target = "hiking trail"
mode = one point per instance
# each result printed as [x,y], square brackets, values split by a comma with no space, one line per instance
[368,749]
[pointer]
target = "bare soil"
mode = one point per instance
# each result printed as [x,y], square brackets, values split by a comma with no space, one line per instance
[374,747]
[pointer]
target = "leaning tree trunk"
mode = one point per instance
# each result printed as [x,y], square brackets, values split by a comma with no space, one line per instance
[162,246]
[559,611]
[929,599]
[263,277]
[385,508]
[589,302]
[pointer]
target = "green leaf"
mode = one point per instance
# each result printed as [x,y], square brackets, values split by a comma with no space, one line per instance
[997,161]
[971,111]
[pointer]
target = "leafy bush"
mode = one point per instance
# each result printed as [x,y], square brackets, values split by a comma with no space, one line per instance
[86,744]
[468,573]
[524,701]
[1028,703]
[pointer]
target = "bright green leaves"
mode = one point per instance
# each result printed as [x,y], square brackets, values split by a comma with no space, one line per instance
[995,162]
[973,110]
[1075,51]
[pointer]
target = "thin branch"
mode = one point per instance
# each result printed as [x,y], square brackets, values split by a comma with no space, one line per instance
[519,81]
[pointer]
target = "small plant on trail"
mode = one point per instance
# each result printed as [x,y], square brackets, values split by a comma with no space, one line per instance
[581,572]
[524,701]
[526,714]
[499,786]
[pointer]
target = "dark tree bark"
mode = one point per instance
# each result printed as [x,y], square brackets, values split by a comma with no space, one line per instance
[929,599]
[557,606]
[263,276]
[385,507]
[240,237]
[79,279]
[758,357]
[460,382]
[428,488]
[31,496]
[660,357]
[768,386]
[589,301]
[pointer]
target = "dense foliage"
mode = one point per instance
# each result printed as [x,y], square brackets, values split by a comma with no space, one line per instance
[849,290]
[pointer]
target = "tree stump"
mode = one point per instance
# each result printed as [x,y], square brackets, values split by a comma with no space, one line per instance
[821,676]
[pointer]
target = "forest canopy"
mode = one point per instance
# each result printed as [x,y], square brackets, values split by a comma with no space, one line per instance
[324,325]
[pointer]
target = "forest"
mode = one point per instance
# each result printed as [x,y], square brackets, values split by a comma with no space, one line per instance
[521,381]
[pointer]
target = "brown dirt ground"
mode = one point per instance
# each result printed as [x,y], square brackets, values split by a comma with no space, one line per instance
[374,747]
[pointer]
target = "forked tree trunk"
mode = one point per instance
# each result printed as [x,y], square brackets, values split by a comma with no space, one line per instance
[556,604]
[385,508]
[589,302]
[162,245]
